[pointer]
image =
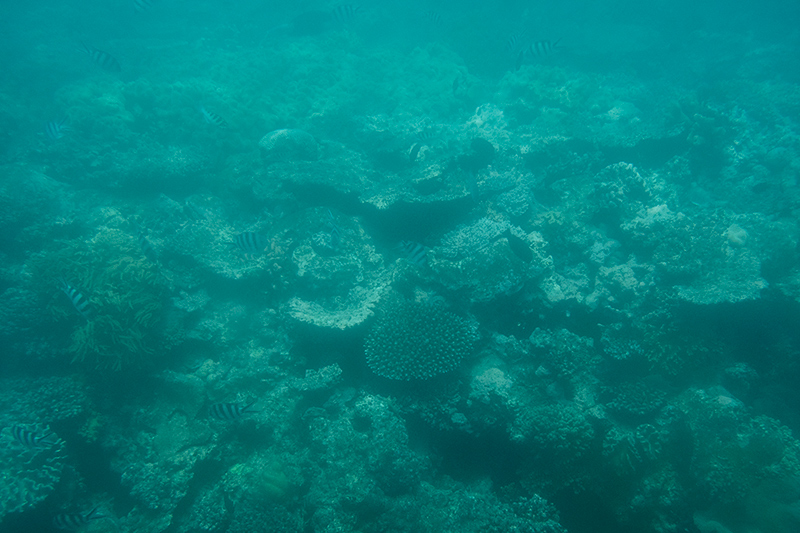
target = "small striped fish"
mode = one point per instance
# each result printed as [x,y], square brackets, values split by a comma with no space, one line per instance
[79,301]
[345,14]
[428,138]
[55,129]
[423,138]
[147,248]
[251,243]
[414,252]
[230,411]
[515,44]
[143,5]
[75,521]
[536,49]
[212,118]
[336,236]
[28,438]
[102,59]
[433,18]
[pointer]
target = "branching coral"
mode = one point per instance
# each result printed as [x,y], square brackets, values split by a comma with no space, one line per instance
[415,340]
[123,290]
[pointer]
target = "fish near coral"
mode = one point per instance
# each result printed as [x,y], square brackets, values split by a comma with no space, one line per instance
[335,234]
[213,119]
[55,129]
[250,243]
[536,49]
[345,14]
[29,438]
[414,252]
[75,521]
[102,59]
[230,411]
[77,298]
[147,248]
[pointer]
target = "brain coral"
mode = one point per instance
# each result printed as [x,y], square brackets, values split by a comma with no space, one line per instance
[415,340]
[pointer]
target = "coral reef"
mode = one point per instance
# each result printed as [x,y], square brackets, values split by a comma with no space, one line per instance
[618,221]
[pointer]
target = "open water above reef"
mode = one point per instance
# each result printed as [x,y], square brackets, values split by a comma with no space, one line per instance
[388,266]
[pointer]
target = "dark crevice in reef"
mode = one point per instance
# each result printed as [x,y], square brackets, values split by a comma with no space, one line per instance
[414,222]
[204,472]
[323,348]
[467,458]
[400,221]
[648,153]
[588,513]
[319,194]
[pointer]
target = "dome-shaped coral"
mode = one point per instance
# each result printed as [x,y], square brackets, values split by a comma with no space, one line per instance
[415,340]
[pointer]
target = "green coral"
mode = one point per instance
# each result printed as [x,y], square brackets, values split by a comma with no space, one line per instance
[415,340]
[123,290]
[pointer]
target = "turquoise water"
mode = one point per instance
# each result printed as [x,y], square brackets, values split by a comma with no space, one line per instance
[388,267]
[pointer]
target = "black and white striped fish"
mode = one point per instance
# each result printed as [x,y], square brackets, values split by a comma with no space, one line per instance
[55,129]
[336,236]
[212,118]
[147,248]
[472,185]
[536,49]
[423,138]
[102,59]
[432,17]
[75,521]
[77,298]
[143,5]
[414,252]
[345,13]
[515,44]
[251,243]
[230,411]
[428,138]
[30,438]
